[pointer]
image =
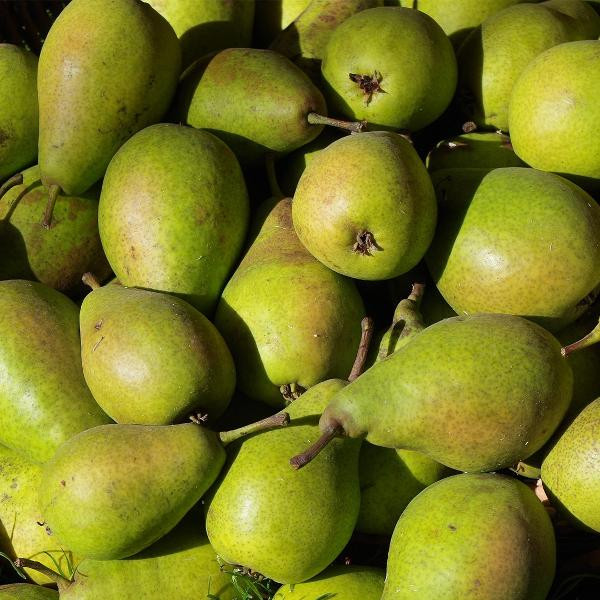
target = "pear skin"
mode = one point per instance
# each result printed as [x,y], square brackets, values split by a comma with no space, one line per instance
[26,591]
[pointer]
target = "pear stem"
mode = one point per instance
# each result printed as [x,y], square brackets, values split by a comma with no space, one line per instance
[25,563]
[588,340]
[90,280]
[272,177]
[363,348]
[353,126]
[52,196]
[10,183]
[276,420]
[301,460]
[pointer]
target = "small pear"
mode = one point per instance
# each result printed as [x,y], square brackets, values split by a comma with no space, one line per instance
[44,400]
[113,490]
[151,358]
[18,109]
[476,536]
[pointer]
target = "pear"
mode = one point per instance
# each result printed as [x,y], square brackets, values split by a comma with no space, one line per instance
[571,473]
[26,591]
[107,69]
[151,358]
[272,17]
[365,206]
[476,536]
[57,256]
[257,101]
[474,393]
[22,532]
[44,400]
[287,319]
[176,230]
[554,120]
[487,257]
[352,582]
[393,67]
[204,27]
[113,490]
[586,19]
[18,109]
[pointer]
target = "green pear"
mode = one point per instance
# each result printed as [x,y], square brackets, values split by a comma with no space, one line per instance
[287,319]
[493,56]
[517,241]
[285,525]
[44,400]
[114,490]
[393,67]
[22,532]
[18,109]
[571,473]
[173,213]
[365,206]
[151,358]
[553,114]
[352,582]
[586,19]
[107,69]
[476,536]
[203,27]
[57,256]
[272,17]
[26,591]
[257,101]
[475,393]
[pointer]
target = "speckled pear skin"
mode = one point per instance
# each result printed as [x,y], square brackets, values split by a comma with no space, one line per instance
[108,68]
[585,18]
[57,256]
[176,230]
[389,480]
[151,358]
[413,57]
[288,525]
[495,54]
[113,490]
[352,582]
[373,182]
[571,472]
[285,317]
[26,591]
[182,564]
[18,109]
[476,536]
[257,101]
[21,534]
[487,257]
[553,121]
[204,27]
[475,393]
[44,400]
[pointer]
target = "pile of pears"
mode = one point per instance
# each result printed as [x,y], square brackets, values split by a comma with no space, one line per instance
[298,300]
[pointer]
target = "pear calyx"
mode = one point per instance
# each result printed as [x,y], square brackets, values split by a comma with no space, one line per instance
[52,196]
[352,126]
[291,391]
[369,84]
[277,420]
[469,127]
[365,243]
[591,338]
[10,183]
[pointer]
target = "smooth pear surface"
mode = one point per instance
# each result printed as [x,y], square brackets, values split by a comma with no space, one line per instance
[44,400]
[176,230]
[365,206]
[26,591]
[476,393]
[107,69]
[112,491]
[554,120]
[18,109]
[152,358]
[476,536]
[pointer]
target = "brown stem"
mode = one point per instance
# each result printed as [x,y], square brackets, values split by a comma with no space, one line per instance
[25,563]
[300,460]
[363,348]
[353,126]
[276,420]
[10,183]
[272,177]
[90,280]
[591,338]
[52,196]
